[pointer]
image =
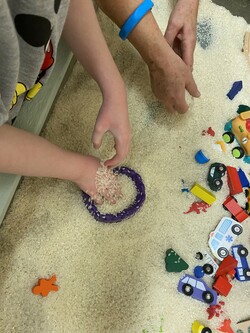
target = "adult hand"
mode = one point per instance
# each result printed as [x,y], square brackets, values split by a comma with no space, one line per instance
[113,117]
[170,78]
[181,29]
[171,72]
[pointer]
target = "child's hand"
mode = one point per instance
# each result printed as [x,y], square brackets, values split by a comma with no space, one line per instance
[87,180]
[113,117]
[86,171]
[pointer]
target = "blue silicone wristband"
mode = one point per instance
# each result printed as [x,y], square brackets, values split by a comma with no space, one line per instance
[135,18]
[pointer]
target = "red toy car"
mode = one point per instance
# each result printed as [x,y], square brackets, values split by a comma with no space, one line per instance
[233,181]
[224,274]
[222,286]
[234,208]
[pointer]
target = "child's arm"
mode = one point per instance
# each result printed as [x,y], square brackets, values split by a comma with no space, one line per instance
[170,75]
[83,34]
[27,154]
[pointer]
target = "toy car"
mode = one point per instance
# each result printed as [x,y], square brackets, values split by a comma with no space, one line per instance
[222,286]
[227,268]
[242,270]
[243,327]
[210,266]
[222,238]
[196,288]
[247,194]
[234,208]
[215,173]
[197,327]
[239,128]
[233,181]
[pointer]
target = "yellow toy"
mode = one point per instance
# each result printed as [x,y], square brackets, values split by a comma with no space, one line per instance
[197,327]
[203,194]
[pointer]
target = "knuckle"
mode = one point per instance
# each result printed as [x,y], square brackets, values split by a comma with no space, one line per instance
[175,24]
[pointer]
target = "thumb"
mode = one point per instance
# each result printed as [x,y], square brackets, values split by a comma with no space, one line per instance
[192,88]
[170,35]
[97,138]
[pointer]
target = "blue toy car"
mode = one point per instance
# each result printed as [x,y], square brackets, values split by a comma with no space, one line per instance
[197,288]
[242,270]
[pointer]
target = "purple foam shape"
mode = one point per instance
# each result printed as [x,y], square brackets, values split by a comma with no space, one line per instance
[127,212]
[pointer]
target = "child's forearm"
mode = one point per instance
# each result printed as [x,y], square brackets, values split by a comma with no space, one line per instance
[83,34]
[27,154]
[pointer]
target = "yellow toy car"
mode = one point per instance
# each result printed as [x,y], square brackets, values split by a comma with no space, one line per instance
[197,327]
[239,128]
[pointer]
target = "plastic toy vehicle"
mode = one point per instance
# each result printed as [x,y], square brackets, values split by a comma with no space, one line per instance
[233,181]
[242,270]
[222,238]
[239,128]
[196,288]
[234,208]
[243,327]
[227,268]
[210,266]
[222,286]
[197,327]
[243,178]
[247,194]
[215,173]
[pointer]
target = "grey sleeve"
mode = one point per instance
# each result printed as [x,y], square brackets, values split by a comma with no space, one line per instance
[4,116]
[9,64]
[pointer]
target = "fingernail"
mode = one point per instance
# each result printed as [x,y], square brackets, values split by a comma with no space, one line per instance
[198,93]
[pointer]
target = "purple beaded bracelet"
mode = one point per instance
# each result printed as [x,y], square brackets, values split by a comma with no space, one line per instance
[127,212]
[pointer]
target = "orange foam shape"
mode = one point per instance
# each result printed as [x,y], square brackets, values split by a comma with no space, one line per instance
[44,286]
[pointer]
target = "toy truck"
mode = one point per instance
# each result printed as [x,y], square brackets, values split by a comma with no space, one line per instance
[242,270]
[238,129]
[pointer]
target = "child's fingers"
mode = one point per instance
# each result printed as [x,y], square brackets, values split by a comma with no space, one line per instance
[122,146]
[97,137]
[114,161]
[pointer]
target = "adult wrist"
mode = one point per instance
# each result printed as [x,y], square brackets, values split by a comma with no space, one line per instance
[194,2]
[160,52]
[137,15]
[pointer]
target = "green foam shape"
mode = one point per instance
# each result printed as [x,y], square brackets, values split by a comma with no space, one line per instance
[173,262]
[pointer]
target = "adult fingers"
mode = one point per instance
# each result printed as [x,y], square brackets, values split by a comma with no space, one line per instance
[180,104]
[171,33]
[188,46]
[192,87]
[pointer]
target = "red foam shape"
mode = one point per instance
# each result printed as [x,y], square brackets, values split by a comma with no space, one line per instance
[226,326]
[197,207]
